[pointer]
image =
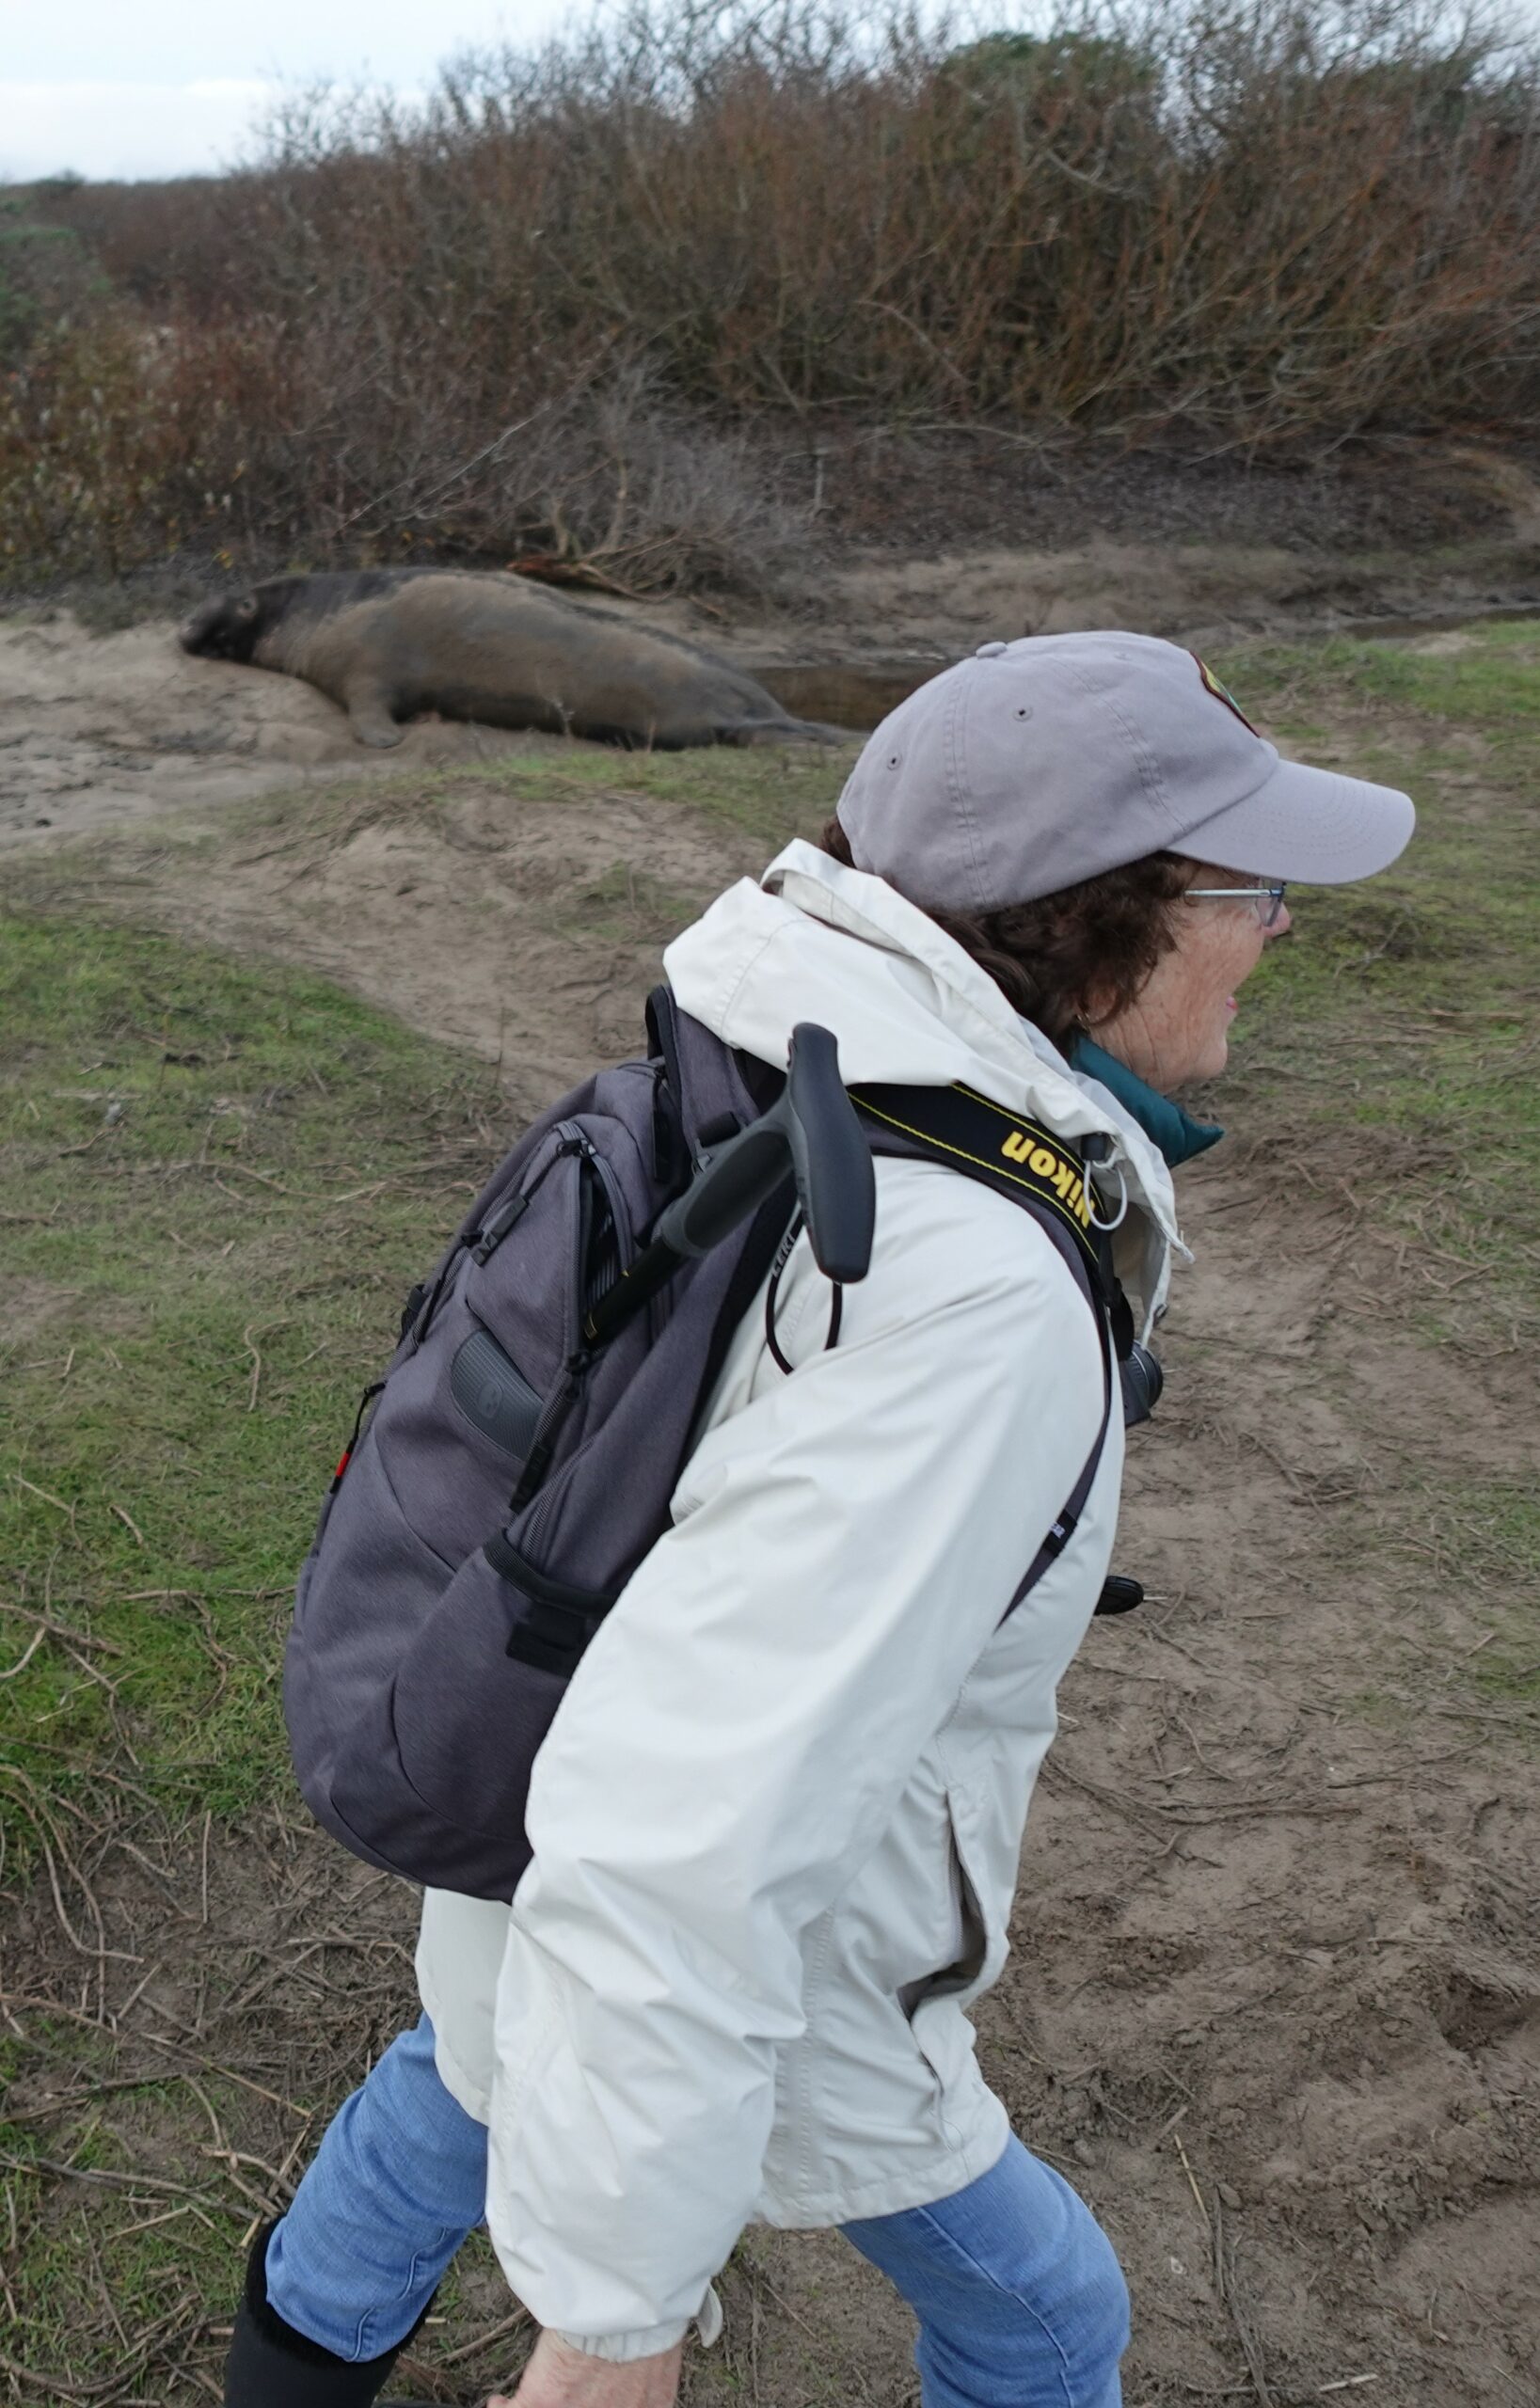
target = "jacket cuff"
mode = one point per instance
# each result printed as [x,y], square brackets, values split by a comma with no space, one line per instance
[621,2348]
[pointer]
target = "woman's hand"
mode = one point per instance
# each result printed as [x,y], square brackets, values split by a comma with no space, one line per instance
[559,2376]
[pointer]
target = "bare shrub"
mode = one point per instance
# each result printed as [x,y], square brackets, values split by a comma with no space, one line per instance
[1263,216]
[553,308]
[625,479]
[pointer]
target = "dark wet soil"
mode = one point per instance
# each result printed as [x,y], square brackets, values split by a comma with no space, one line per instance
[942,488]
[844,694]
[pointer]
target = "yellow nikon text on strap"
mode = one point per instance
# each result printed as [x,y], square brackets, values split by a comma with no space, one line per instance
[1068,1184]
[1000,1147]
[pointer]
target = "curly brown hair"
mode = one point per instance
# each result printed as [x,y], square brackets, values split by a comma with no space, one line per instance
[1070,959]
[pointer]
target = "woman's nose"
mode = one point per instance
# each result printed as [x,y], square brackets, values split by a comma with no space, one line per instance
[1283,924]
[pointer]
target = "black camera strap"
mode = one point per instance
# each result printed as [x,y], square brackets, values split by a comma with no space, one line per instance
[1000,1147]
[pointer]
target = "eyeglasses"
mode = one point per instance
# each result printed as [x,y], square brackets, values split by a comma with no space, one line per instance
[1267,900]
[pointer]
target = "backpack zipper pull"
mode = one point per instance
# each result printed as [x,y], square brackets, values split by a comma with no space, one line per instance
[497,1226]
[558,1405]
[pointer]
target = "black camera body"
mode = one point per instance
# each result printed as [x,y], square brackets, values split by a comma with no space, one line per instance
[1142,1381]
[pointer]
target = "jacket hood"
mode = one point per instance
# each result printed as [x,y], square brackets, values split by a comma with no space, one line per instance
[815,941]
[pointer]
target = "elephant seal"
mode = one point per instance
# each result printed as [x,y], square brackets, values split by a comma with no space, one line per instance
[481,645]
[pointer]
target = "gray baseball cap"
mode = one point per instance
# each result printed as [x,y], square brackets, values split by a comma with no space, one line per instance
[1036,764]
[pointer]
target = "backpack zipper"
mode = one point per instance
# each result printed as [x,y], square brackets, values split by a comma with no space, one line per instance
[591,1166]
[623,1250]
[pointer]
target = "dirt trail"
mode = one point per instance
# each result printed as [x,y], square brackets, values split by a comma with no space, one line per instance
[1274,2002]
[1310,1996]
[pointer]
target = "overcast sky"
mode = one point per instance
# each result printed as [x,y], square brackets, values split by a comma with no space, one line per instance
[161,87]
[165,87]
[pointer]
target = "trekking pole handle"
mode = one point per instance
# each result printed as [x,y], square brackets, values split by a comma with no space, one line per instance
[732,1181]
[835,1183]
[814,1121]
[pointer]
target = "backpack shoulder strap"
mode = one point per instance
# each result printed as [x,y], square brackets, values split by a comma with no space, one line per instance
[703,1076]
[708,1085]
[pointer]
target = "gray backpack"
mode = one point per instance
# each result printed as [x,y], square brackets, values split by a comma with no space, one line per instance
[530,1429]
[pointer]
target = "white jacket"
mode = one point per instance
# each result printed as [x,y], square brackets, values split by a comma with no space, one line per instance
[777,1821]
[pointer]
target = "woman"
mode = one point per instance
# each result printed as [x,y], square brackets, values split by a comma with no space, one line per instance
[776,1825]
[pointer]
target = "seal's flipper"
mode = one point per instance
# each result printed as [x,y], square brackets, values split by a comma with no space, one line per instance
[369,709]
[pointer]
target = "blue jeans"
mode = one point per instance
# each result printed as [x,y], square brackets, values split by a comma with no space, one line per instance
[1020,2300]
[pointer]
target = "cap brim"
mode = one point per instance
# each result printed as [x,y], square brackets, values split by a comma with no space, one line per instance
[1311,827]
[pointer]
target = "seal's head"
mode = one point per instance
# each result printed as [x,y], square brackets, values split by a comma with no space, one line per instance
[232,629]
[223,630]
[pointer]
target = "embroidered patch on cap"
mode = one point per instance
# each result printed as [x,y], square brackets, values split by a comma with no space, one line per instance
[1223,694]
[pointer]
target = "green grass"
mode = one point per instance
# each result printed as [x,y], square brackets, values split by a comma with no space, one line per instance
[1470,1549]
[1486,1540]
[767,793]
[1393,1040]
[216,1181]
[1491,682]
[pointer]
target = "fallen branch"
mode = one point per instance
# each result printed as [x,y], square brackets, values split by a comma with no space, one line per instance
[100,2176]
[58,1631]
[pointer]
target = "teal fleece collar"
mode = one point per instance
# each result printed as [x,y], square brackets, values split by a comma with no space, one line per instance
[1164,1122]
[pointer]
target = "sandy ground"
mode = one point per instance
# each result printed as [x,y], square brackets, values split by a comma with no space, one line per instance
[97,733]
[1274,2002]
